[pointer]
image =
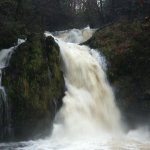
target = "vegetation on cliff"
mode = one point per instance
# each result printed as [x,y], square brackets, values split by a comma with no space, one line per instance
[126,46]
[34,85]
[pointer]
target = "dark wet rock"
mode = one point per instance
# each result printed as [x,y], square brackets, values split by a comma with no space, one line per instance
[126,46]
[35,86]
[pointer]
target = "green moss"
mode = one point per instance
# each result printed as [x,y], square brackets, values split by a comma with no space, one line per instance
[30,88]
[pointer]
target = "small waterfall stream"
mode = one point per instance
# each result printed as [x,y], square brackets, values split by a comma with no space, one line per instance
[5,113]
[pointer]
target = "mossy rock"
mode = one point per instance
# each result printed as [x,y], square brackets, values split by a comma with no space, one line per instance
[35,86]
[126,45]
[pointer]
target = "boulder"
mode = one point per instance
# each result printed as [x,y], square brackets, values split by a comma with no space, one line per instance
[35,86]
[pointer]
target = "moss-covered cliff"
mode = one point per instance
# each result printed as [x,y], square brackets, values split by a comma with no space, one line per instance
[126,45]
[35,86]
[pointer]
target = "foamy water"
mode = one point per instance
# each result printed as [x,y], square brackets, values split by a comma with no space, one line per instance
[134,140]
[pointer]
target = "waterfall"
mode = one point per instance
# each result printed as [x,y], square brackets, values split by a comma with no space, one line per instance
[89,101]
[5,113]
[89,104]
[89,118]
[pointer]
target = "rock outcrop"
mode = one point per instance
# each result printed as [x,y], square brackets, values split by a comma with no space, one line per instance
[35,86]
[126,47]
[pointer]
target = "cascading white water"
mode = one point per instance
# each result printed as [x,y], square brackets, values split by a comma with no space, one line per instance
[88,105]
[5,119]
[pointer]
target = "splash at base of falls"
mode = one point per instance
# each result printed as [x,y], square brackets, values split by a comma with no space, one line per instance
[134,140]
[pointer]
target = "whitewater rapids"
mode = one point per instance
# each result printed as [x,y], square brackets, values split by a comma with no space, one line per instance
[89,118]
